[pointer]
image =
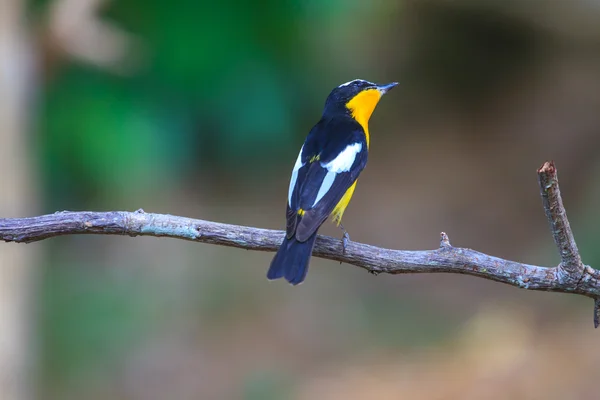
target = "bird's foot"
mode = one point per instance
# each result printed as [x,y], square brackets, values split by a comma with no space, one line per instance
[345,239]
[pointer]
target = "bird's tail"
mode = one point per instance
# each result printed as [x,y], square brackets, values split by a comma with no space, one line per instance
[292,259]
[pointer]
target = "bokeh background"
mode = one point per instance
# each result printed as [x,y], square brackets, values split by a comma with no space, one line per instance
[198,108]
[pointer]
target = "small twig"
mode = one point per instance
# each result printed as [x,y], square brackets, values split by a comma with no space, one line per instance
[559,224]
[444,240]
[596,313]
[571,276]
[571,269]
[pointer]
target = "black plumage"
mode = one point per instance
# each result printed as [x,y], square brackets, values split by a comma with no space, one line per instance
[330,161]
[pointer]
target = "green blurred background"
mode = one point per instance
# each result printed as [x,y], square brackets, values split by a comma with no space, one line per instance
[198,108]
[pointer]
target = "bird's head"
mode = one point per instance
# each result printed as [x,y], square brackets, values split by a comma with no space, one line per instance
[357,98]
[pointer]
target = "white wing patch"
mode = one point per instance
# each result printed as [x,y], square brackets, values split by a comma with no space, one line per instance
[325,186]
[297,166]
[344,161]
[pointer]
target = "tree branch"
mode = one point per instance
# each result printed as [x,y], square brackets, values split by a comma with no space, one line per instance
[571,276]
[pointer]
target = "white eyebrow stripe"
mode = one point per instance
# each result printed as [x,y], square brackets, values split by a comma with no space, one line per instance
[349,83]
[294,177]
[325,186]
[344,161]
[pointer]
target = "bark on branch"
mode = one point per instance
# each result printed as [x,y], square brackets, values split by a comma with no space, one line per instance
[570,276]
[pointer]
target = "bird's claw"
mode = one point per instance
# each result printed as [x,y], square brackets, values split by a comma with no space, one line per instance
[345,239]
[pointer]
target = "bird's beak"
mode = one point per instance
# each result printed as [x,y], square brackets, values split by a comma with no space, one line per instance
[383,89]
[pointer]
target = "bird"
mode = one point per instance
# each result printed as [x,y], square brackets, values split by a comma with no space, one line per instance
[325,174]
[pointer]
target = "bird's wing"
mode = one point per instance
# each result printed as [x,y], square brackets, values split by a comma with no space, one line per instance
[325,172]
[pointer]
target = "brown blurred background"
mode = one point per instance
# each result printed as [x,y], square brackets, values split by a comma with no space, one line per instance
[198,108]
